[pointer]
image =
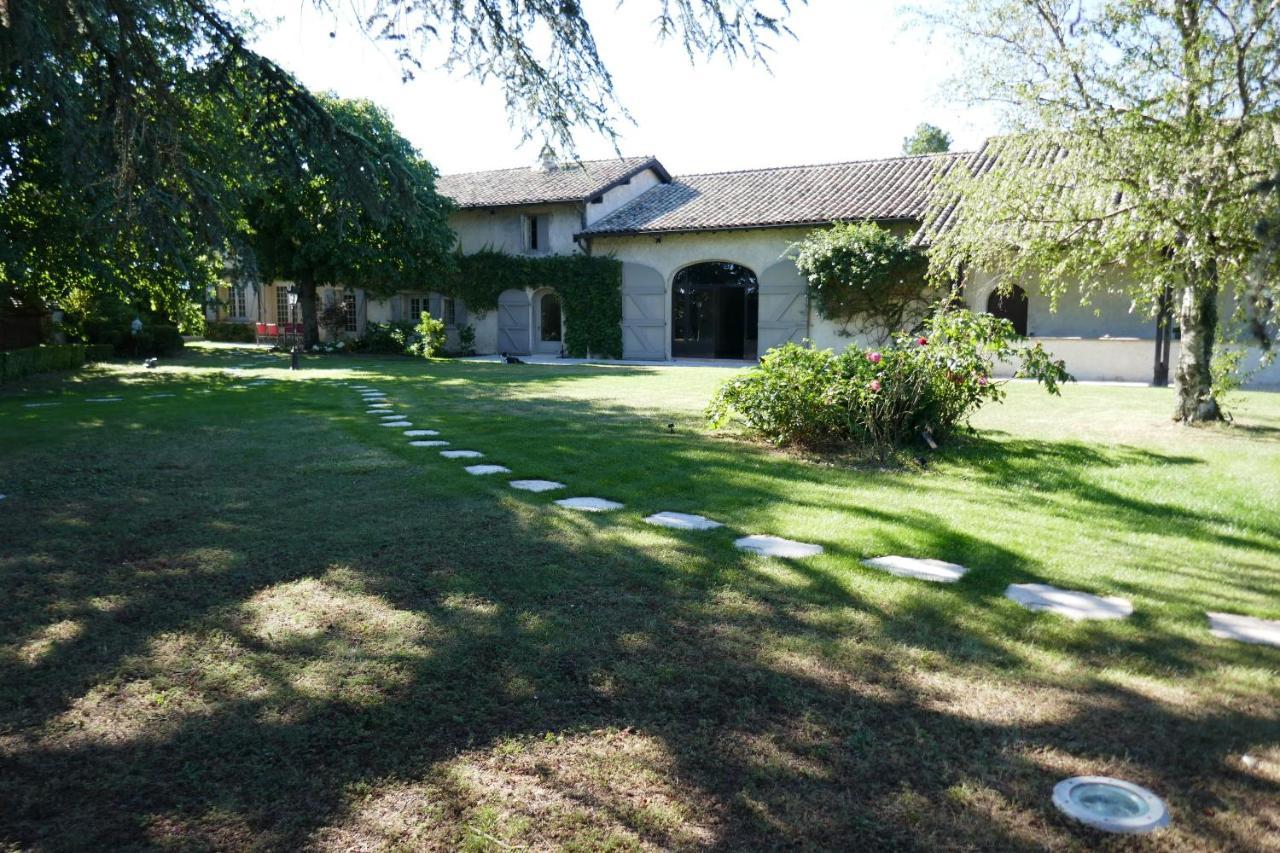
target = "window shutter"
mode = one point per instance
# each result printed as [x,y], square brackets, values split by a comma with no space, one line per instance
[459,312]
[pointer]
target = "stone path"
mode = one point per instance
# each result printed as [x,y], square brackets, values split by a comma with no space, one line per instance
[429,444]
[413,433]
[461,454]
[103,399]
[1073,605]
[482,470]
[396,423]
[536,485]
[682,521]
[589,504]
[936,571]
[776,546]
[1245,629]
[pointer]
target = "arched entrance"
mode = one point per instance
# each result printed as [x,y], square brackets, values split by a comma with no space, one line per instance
[1011,306]
[714,311]
[548,322]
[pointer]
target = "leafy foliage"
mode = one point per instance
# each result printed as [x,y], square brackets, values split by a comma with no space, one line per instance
[881,400]
[431,336]
[927,139]
[862,272]
[234,332]
[1141,130]
[590,291]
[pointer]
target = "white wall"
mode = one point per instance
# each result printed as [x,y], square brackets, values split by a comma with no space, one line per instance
[620,195]
[502,228]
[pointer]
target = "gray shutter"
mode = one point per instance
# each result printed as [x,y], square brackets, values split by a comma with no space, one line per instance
[644,313]
[513,322]
[459,312]
[784,307]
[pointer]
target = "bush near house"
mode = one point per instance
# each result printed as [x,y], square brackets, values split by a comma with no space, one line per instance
[20,363]
[234,332]
[425,338]
[880,400]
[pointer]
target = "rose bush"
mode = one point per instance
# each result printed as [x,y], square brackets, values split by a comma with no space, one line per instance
[926,383]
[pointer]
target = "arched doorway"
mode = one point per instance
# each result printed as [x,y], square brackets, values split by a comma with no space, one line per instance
[714,311]
[1011,306]
[548,322]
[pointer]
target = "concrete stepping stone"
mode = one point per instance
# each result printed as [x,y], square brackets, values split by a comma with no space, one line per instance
[461,454]
[428,444]
[682,521]
[920,568]
[589,504]
[39,405]
[396,423]
[1246,629]
[416,432]
[373,406]
[103,399]
[157,396]
[1068,603]
[482,470]
[776,546]
[536,485]
[383,414]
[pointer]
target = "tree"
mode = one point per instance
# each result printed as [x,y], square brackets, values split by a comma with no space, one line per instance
[309,227]
[927,139]
[1141,128]
[137,123]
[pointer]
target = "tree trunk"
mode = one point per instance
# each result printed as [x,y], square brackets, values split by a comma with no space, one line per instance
[1198,317]
[310,319]
[1164,328]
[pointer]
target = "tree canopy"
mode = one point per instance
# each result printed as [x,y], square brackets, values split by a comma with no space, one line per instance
[1140,132]
[927,139]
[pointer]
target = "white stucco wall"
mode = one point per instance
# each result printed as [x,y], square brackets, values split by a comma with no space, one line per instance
[502,228]
[620,195]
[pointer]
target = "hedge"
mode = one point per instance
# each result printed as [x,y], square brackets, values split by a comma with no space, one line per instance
[15,364]
[154,339]
[242,333]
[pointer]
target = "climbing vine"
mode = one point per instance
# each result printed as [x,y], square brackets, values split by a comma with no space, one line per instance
[590,290]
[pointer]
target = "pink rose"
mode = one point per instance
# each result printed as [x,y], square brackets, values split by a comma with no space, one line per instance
[874,384]
[873,357]
[982,381]
[922,341]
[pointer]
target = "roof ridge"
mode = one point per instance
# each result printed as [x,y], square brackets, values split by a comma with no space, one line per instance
[824,165]
[644,158]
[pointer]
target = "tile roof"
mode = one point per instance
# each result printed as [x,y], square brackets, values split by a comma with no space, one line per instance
[893,189]
[579,181]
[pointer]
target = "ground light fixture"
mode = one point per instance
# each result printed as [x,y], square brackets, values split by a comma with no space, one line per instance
[1111,805]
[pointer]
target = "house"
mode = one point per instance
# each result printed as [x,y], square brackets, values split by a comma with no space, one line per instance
[704,267]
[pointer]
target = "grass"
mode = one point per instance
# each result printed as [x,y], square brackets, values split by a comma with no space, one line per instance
[253,618]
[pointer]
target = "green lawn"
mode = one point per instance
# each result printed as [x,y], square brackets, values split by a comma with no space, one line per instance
[256,618]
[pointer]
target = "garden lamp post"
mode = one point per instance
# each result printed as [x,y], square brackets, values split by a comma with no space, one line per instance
[295,353]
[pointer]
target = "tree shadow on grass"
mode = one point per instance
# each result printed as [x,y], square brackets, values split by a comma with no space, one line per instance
[290,631]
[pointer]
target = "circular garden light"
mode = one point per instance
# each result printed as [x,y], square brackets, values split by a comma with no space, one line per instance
[1111,805]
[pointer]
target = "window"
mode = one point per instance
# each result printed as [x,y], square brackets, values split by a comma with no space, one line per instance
[537,236]
[448,312]
[349,318]
[283,314]
[418,305]
[236,306]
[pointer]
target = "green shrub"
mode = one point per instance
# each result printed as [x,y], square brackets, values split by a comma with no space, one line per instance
[99,352]
[431,336]
[19,363]
[235,332]
[155,339]
[396,338]
[881,400]
[467,340]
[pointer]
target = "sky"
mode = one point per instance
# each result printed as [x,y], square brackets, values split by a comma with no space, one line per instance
[856,79]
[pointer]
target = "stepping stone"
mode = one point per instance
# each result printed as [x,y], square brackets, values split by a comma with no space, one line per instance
[481,470]
[39,405]
[396,423]
[461,454]
[357,387]
[776,546]
[385,415]
[589,504]
[1246,629]
[379,405]
[536,485]
[682,521]
[157,396]
[428,444]
[921,569]
[1073,605]
[103,399]
[415,432]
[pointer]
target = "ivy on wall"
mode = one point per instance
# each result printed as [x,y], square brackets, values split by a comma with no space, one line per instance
[590,291]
